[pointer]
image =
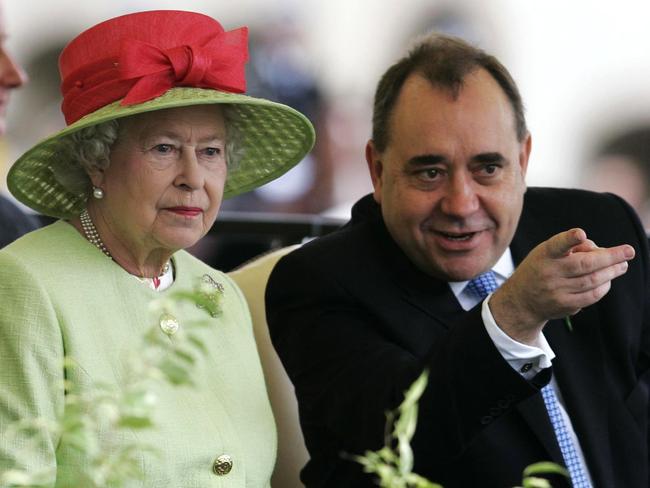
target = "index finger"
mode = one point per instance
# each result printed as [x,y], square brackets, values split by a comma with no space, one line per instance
[561,244]
[582,263]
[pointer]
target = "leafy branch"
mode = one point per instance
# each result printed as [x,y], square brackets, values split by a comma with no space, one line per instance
[393,466]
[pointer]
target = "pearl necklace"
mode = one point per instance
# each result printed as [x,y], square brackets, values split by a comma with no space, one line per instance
[91,234]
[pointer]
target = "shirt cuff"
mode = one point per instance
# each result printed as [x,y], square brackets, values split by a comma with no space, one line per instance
[525,359]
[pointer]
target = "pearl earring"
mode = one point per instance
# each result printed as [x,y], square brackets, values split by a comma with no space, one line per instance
[98,193]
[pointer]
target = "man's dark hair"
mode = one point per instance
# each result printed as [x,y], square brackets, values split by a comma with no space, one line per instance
[444,61]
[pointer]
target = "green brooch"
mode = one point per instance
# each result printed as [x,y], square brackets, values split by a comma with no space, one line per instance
[209,295]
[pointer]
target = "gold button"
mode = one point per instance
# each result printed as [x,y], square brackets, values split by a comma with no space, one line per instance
[222,465]
[168,324]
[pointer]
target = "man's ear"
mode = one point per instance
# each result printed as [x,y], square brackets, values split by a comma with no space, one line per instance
[376,168]
[524,154]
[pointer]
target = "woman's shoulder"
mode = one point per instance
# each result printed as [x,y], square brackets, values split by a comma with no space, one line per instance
[50,254]
[51,239]
[42,246]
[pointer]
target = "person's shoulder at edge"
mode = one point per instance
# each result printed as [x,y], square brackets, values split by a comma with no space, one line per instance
[14,222]
[581,206]
[338,249]
[541,194]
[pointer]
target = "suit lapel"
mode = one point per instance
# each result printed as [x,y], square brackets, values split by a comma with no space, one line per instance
[429,295]
[578,369]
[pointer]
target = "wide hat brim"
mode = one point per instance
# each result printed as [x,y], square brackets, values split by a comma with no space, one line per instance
[271,137]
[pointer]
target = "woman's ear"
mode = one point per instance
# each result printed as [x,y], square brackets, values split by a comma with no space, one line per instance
[96,177]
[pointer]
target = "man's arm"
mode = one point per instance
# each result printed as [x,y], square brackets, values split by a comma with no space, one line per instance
[348,371]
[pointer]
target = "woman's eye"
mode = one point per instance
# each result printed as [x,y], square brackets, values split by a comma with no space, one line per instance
[164,148]
[212,151]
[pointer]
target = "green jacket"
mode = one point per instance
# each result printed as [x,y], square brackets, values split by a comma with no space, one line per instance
[59,295]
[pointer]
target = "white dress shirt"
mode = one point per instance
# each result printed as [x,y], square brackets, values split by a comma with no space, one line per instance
[528,360]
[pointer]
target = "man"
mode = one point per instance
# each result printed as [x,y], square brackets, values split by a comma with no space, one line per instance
[553,365]
[13,222]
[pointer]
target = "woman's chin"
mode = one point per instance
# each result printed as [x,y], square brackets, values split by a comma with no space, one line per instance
[179,239]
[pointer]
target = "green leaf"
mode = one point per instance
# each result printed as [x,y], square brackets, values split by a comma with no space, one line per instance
[567,322]
[415,391]
[405,455]
[407,422]
[133,422]
[533,482]
[175,374]
[386,455]
[15,479]
[419,482]
[198,343]
[545,467]
[184,356]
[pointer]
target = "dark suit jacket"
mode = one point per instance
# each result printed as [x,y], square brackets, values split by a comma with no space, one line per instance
[13,222]
[354,323]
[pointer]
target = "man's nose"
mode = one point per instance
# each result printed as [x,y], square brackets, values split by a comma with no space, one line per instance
[460,199]
[11,74]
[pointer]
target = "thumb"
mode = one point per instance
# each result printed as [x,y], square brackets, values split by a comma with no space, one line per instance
[585,246]
[561,244]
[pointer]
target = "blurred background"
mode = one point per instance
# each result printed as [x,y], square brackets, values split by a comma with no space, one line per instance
[583,69]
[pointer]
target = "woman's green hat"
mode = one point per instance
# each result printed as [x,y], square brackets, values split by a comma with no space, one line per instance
[151,61]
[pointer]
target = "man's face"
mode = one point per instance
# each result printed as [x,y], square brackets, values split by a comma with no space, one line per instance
[11,74]
[451,180]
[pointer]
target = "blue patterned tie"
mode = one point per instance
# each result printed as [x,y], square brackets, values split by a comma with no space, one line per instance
[482,286]
[569,453]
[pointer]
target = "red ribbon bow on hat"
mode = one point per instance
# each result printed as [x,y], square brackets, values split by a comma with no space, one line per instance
[218,64]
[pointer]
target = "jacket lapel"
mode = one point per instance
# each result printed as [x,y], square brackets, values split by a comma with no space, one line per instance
[578,368]
[429,295]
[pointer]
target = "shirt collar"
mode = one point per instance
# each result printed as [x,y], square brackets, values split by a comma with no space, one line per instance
[503,268]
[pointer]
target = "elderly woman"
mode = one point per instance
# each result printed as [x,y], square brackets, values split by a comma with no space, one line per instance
[158,133]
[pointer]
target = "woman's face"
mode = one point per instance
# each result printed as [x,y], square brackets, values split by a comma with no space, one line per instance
[165,181]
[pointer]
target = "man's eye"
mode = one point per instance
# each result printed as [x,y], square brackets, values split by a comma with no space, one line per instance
[430,173]
[490,169]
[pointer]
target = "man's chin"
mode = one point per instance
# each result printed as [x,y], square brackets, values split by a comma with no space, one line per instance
[460,270]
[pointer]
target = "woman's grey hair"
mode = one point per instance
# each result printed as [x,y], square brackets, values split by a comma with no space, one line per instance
[89,149]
